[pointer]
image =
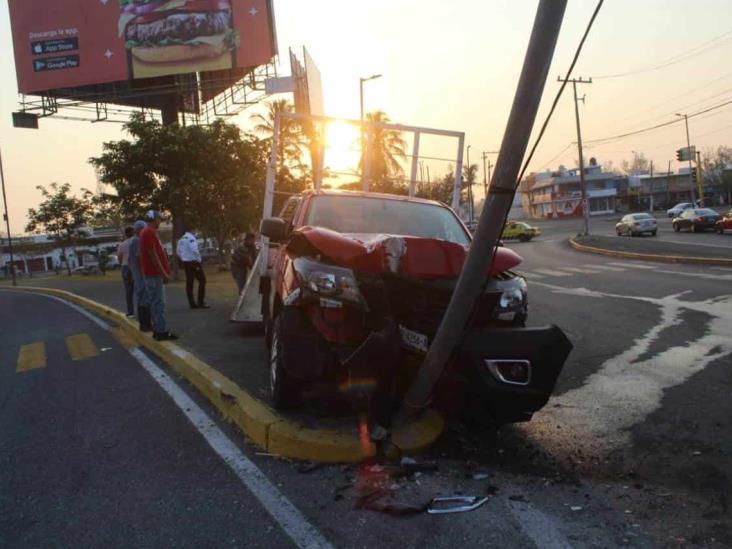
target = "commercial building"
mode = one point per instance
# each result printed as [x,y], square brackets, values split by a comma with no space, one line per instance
[558,194]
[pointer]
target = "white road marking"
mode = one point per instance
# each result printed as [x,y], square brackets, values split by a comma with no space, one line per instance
[538,526]
[550,272]
[632,265]
[532,276]
[95,319]
[623,392]
[290,519]
[605,267]
[583,271]
[719,277]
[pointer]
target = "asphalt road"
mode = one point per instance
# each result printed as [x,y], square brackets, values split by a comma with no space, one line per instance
[93,452]
[645,396]
[635,449]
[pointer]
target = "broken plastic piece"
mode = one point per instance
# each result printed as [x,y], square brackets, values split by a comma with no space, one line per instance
[455,504]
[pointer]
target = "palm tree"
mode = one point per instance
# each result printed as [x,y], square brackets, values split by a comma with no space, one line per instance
[470,177]
[387,149]
[289,150]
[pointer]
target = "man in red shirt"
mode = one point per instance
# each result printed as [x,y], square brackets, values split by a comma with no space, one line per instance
[156,270]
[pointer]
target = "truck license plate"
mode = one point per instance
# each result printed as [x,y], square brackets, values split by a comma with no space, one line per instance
[413,340]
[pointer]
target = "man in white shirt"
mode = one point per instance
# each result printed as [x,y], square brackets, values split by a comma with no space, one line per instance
[123,256]
[190,256]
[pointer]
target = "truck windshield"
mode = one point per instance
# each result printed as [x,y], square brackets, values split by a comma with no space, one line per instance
[366,215]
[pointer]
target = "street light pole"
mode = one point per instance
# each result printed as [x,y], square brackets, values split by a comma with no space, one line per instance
[688,146]
[361,82]
[487,173]
[7,222]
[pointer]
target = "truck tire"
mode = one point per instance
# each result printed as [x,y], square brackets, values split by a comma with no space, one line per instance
[284,390]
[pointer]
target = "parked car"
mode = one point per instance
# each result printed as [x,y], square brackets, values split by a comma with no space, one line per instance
[725,223]
[696,220]
[636,225]
[520,230]
[356,289]
[677,210]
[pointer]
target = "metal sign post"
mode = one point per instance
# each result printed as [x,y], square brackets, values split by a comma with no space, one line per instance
[7,221]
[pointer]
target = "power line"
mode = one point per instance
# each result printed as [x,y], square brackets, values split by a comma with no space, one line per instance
[555,157]
[679,58]
[561,89]
[658,126]
[672,99]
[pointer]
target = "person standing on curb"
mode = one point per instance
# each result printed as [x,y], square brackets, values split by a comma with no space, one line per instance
[156,270]
[242,260]
[123,256]
[191,257]
[143,304]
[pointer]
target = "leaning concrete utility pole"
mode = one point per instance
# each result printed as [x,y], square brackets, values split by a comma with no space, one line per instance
[498,203]
[583,182]
[691,156]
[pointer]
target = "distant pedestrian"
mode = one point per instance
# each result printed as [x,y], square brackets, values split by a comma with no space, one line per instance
[242,260]
[191,257]
[123,256]
[156,270]
[143,304]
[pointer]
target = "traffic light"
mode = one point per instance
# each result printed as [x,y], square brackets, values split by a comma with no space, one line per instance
[693,177]
[678,154]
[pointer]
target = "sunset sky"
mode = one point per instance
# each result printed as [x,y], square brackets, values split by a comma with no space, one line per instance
[455,66]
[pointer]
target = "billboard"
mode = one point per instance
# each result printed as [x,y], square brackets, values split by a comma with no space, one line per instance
[76,43]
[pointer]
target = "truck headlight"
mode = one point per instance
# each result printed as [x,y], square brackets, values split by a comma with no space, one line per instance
[328,280]
[511,299]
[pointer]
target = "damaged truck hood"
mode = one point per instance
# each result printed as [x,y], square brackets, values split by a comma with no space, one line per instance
[425,258]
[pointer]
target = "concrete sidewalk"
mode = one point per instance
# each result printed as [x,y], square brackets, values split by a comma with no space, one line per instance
[653,249]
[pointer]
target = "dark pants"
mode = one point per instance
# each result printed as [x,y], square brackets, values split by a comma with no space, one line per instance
[127,280]
[195,270]
[240,276]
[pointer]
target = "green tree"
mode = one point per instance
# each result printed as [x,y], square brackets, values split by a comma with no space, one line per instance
[639,165]
[292,175]
[291,139]
[230,189]
[715,163]
[211,176]
[470,178]
[61,215]
[387,150]
[441,189]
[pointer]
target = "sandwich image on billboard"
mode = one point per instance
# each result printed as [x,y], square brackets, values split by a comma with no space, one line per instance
[178,36]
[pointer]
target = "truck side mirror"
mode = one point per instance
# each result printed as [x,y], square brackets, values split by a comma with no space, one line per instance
[274,228]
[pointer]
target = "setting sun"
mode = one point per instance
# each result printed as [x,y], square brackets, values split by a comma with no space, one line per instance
[342,150]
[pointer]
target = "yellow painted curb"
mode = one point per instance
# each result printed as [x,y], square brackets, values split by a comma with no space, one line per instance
[651,257]
[266,428]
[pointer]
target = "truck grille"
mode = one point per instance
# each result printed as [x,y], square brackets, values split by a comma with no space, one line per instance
[420,305]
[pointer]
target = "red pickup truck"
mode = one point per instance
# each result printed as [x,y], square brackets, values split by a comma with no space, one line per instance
[356,287]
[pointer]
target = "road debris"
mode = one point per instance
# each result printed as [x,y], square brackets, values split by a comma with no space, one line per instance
[455,504]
